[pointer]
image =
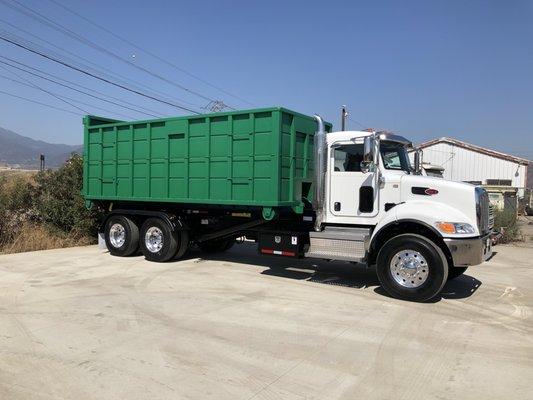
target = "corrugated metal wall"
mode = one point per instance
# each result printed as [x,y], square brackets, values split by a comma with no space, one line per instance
[462,164]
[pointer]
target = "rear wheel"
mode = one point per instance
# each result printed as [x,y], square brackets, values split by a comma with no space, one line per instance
[411,267]
[183,243]
[158,241]
[121,236]
[456,272]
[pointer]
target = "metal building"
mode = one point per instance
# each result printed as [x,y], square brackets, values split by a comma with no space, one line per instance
[469,163]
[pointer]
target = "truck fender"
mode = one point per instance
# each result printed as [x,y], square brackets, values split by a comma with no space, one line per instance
[173,222]
[424,212]
[421,214]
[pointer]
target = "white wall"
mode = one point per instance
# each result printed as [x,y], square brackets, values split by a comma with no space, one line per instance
[462,164]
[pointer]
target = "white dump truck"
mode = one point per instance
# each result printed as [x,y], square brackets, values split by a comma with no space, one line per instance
[277,177]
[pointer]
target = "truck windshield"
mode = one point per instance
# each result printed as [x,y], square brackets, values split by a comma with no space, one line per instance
[394,156]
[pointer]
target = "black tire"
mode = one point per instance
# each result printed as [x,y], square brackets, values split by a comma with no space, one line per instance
[131,231]
[164,235]
[217,246]
[437,272]
[183,243]
[456,272]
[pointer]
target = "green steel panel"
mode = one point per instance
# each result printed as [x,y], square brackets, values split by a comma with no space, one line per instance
[259,157]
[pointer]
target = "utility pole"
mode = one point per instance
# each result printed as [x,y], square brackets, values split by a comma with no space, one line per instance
[344,116]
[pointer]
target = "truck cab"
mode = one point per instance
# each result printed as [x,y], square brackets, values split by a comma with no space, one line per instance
[379,209]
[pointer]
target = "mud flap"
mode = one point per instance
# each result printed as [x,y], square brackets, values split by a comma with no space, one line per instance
[101,241]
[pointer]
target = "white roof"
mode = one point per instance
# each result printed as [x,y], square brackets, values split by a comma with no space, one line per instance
[475,148]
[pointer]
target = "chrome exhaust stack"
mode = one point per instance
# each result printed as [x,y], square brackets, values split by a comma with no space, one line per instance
[320,153]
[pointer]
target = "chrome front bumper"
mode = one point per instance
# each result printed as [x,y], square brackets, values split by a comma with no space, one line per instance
[471,251]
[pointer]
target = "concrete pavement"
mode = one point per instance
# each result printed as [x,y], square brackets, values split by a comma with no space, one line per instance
[80,324]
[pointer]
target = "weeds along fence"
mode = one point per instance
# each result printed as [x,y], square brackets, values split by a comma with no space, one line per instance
[45,210]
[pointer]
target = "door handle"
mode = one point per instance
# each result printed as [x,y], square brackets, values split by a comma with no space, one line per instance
[337,206]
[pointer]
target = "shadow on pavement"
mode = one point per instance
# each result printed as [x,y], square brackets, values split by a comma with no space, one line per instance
[337,273]
[354,276]
[461,287]
[458,288]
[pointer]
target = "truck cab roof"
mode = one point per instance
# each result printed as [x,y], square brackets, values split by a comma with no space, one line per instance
[350,135]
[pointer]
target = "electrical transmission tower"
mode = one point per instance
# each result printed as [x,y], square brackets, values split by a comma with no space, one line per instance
[216,106]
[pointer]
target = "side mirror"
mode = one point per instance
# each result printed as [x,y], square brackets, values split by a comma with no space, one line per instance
[368,149]
[368,154]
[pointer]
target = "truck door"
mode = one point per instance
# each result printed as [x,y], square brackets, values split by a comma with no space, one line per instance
[351,191]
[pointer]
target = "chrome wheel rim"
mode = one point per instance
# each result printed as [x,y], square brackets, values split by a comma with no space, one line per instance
[409,268]
[154,239]
[117,235]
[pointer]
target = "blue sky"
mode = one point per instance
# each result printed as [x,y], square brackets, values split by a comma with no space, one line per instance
[423,69]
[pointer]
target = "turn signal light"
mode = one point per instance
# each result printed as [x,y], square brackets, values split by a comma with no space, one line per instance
[446,227]
[455,227]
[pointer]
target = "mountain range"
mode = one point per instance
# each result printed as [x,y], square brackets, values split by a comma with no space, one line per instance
[21,151]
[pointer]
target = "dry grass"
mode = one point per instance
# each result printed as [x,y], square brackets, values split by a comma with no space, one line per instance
[17,172]
[33,237]
[16,177]
[44,211]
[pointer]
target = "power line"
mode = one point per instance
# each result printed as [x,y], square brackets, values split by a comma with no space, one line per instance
[70,87]
[358,123]
[96,76]
[42,104]
[161,59]
[60,97]
[98,69]
[45,91]
[68,32]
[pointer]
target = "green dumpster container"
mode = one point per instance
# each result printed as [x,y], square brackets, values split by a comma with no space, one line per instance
[261,157]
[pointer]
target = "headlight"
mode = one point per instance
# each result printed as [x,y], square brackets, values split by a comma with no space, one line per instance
[454,227]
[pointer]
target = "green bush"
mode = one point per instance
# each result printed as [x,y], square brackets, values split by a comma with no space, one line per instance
[505,221]
[50,201]
[60,201]
[16,200]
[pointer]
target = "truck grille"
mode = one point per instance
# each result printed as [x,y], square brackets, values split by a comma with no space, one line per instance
[491,216]
[485,216]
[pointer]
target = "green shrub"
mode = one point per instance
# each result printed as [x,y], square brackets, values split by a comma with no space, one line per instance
[48,202]
[505,221]
[16,201]
[60,201]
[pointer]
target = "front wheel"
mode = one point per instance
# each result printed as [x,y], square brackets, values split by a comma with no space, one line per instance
[412,267]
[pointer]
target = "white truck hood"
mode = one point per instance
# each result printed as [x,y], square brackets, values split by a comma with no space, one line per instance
[441,199]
